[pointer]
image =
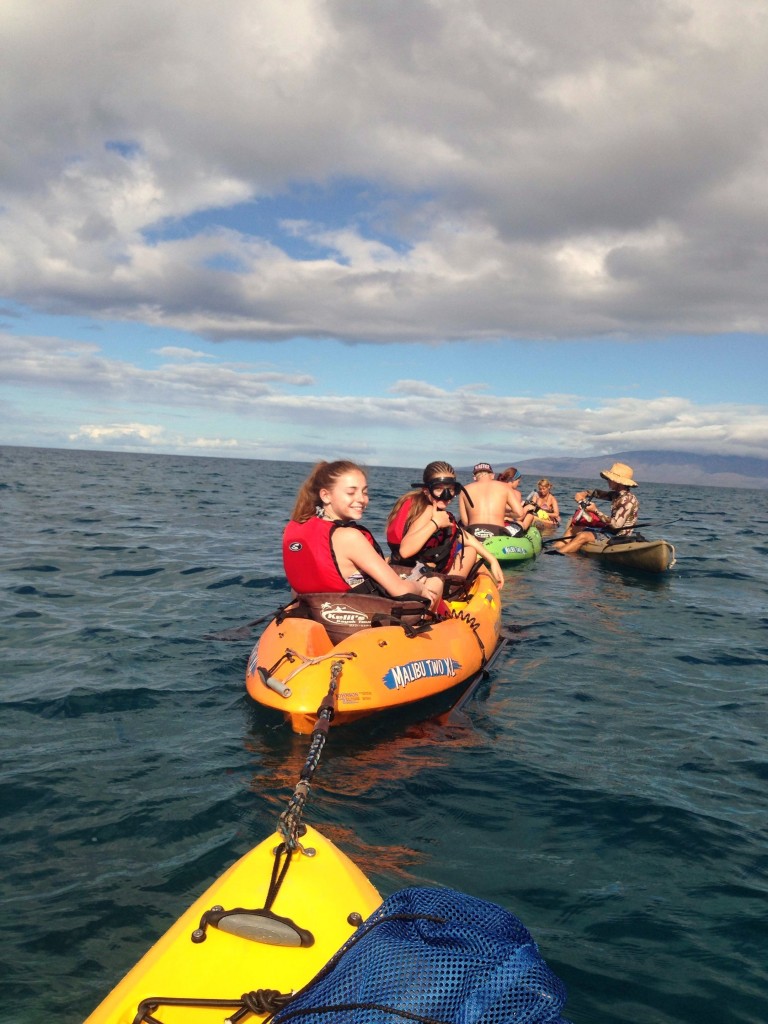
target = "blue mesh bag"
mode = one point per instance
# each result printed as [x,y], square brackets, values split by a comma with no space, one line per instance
[433,955]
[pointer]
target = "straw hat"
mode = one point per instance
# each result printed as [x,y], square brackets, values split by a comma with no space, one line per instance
[621,473]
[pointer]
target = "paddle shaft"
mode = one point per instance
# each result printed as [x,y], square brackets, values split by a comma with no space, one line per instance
[596,529]
[239,632]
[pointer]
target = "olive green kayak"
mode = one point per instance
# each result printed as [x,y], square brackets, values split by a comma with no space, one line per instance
[644,555]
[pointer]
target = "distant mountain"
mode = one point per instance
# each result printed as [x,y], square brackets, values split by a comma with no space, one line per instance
[662,468]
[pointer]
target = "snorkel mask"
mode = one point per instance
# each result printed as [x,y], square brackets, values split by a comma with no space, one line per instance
[444,488]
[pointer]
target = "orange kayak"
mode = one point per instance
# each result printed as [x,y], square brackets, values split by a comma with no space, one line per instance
[382,668]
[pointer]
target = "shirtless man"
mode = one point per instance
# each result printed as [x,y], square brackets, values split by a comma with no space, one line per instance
[493,504]
[524,511]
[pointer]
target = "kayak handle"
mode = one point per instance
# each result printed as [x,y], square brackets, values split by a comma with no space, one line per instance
[256,925]
[273,684]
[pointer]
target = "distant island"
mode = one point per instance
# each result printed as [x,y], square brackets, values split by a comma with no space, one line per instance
[661,468]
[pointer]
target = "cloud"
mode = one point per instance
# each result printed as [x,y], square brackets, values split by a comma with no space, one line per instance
[461,419]
[120,433]
[179,352]
[80,368]
[480,170]
[411,412]
[145,437]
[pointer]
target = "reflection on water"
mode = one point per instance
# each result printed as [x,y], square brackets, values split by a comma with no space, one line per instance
[606,782]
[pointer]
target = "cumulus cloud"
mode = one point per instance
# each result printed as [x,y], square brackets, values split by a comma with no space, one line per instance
[81,368]
[122,433]
[146,437]
[481,169]
[183,406]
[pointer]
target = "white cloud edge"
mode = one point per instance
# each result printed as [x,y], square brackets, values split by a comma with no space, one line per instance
[464,415]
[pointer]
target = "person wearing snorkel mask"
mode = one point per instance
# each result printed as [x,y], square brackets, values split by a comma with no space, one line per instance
[326,549]
[421,529]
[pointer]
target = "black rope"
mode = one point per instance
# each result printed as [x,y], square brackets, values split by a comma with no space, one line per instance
[474,625]
[291,828]
[380,1007]
[278,874]
[260,1001]
[289,824]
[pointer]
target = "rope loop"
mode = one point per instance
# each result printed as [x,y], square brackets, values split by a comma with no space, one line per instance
[265,1000]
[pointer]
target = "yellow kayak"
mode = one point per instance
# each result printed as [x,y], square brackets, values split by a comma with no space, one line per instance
[322,900]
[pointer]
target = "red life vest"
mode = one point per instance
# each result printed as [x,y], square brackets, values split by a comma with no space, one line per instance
[308,557]
[584,520]
[440,550]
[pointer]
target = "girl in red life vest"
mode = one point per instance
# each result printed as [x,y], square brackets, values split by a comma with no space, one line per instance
[324,548]
[421,529]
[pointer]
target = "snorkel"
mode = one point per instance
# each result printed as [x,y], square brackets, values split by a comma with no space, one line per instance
[450,487]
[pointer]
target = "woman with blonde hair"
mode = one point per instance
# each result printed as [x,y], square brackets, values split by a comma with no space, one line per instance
[544,501]
[421,529]
[325,550]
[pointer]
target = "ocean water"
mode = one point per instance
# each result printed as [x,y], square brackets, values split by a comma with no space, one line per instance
[607,782]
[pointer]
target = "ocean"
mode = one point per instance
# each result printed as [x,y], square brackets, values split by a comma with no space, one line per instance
[607,782]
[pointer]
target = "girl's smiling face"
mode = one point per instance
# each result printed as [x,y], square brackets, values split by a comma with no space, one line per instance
[347,497]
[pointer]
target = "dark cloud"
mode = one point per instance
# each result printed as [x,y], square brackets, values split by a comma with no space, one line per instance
[549,170]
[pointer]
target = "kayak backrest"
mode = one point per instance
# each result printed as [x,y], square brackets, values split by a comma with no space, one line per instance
[628,538]
[344,614]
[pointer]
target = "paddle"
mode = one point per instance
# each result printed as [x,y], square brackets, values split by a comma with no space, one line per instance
[456,714]
[598,529]
[239,632]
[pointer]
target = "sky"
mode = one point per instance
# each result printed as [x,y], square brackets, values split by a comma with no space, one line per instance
[392,231]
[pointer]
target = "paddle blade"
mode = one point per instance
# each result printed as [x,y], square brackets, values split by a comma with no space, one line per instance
[244,632]
[236,632]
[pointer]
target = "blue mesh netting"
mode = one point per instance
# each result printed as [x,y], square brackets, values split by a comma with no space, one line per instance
[478,964]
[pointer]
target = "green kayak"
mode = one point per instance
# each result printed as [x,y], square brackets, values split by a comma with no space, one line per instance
[515,549]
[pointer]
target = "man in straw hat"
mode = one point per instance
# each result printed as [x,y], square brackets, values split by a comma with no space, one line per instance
[624,510]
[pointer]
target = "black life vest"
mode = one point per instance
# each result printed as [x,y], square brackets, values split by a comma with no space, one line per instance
[440,550]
